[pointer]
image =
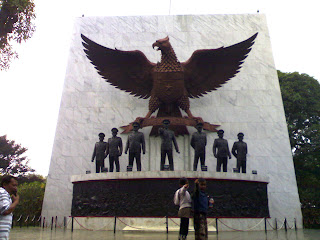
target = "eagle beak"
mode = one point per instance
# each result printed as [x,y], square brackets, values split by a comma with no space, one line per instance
[155,45]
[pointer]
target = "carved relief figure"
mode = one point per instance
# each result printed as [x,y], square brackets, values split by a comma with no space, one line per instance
[221,151]
[135,143]
[114,150]
[167,138]
[100,153]
[198,143]
[240,150]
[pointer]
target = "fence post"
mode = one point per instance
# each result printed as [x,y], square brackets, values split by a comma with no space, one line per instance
[55,226]
[285,224]
[295,224]
[21,221]
[265,225]
[217,226]
[64,222]
[115,224]
[43,221]
[51,223]
[276,223]
[12,221]
[167,224]
[71,224]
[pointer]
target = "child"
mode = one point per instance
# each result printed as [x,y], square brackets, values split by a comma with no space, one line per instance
[200,209]
[183,199]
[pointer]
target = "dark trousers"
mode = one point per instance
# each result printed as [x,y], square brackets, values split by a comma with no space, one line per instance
[137,156]
[197,155]
[242,164]
[114,160]
[165,153]
[222,161]
[184,226]
[200,226]
[99,165]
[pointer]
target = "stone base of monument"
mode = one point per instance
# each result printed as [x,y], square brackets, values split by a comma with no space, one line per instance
[144,200]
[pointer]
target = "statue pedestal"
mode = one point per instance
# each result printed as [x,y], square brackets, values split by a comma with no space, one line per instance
[135,196]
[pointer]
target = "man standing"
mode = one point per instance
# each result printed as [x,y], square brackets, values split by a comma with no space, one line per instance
[99,153]
[239,150]
[167,137]
[134,144]
[9,186]
[221,151]
[114,149]
[198,143]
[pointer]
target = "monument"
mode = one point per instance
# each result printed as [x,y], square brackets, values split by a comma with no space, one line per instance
[198,143]
[240,151]
[100,153]
[135,143]
[249,102]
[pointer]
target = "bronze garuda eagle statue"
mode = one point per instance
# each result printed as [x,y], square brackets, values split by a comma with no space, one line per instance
[169,83]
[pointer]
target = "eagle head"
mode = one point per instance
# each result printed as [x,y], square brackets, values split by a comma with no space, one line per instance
[162,44]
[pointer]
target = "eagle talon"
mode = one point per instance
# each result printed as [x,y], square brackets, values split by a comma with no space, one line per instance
[198,119]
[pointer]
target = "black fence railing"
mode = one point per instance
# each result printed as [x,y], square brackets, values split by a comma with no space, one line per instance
[54,222]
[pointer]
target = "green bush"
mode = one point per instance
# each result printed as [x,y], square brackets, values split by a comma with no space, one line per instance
[31,198]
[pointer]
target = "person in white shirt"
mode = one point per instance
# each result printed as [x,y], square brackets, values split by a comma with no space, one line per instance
[8,187]
[182,198]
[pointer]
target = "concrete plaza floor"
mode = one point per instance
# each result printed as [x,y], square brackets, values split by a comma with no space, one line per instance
[37,233]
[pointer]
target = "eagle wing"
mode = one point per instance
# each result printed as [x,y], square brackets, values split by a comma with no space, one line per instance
[130,71]
[207,69]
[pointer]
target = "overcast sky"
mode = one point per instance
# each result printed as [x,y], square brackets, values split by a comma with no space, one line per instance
[31,89]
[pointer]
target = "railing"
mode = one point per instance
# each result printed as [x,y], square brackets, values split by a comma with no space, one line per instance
[311,222]
[54,223]
[277,225]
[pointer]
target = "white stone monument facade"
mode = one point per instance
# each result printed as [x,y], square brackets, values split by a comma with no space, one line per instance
[250,103]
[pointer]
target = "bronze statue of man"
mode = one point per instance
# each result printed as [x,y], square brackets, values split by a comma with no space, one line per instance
[198,143]
[167,137]
[100,153]
[114,150]
[134,144]
[240,150]
[221,151]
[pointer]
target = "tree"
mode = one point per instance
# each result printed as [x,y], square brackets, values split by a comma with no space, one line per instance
[31,191]
[16,24]
[29,178]
[301,99]
[12,158]
[31,198]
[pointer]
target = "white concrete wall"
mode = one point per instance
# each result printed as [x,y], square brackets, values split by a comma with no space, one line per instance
[251,103]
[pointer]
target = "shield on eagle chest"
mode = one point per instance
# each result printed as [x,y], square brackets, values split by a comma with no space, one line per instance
[168,86]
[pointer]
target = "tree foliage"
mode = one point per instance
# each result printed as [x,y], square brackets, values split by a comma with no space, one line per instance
[31,198]
[31,191]
[16,25]
[12,158]
[29,178]
[301,99]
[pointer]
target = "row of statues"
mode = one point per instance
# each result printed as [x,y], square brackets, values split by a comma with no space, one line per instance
[136,143]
